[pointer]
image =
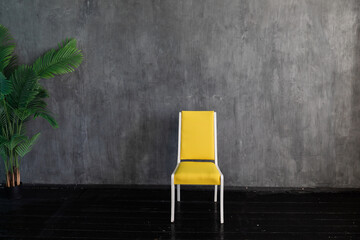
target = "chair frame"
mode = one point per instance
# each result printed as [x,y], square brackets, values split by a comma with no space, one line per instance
[178,185]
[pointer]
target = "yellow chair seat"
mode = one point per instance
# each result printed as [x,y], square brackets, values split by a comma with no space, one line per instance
[197,173]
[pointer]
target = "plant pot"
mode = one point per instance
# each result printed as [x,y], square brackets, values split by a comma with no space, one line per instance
[13,193]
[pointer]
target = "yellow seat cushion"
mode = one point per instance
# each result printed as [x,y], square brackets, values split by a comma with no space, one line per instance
[197,135]
[197,173]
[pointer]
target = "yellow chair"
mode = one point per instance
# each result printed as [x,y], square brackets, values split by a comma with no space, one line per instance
[197,141]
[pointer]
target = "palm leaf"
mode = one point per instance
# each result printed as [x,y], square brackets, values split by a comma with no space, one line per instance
[42,92]
[63,60]
[3,116]
[3,154]
[3,120]
[38,104]
[3,140]
[3,148]
[3,123]
[5,36]
[6,47]
[5,86]
[38,107]
[48,117]
[11,67]
[70,42]
[25,85]
[22,113]
[26,146]
[15,140]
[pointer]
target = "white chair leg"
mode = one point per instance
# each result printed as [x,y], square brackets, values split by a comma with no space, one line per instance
[172,199]
[178,192]
[215,194]
[222,200]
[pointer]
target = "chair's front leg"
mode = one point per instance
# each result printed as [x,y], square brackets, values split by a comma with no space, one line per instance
[222,200]
[172,199]
[215,194]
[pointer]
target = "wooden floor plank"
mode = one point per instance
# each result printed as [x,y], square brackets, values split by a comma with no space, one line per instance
[144,213]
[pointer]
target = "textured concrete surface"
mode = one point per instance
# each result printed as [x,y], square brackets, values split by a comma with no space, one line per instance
[282,75]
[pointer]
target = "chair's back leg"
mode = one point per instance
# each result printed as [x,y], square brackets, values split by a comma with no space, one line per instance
[215,194]
[178,192]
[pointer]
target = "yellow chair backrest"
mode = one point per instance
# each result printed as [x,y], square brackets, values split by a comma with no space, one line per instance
[197,135]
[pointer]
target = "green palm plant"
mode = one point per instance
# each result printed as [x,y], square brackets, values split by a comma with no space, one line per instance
[22,97]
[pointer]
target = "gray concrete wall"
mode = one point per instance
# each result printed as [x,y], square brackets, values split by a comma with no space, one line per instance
[283,76]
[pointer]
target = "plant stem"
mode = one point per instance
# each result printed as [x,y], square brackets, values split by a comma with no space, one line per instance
[6,165]
[11,161]
[7,115]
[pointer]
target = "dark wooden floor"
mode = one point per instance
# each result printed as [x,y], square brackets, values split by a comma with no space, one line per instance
[144,213]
